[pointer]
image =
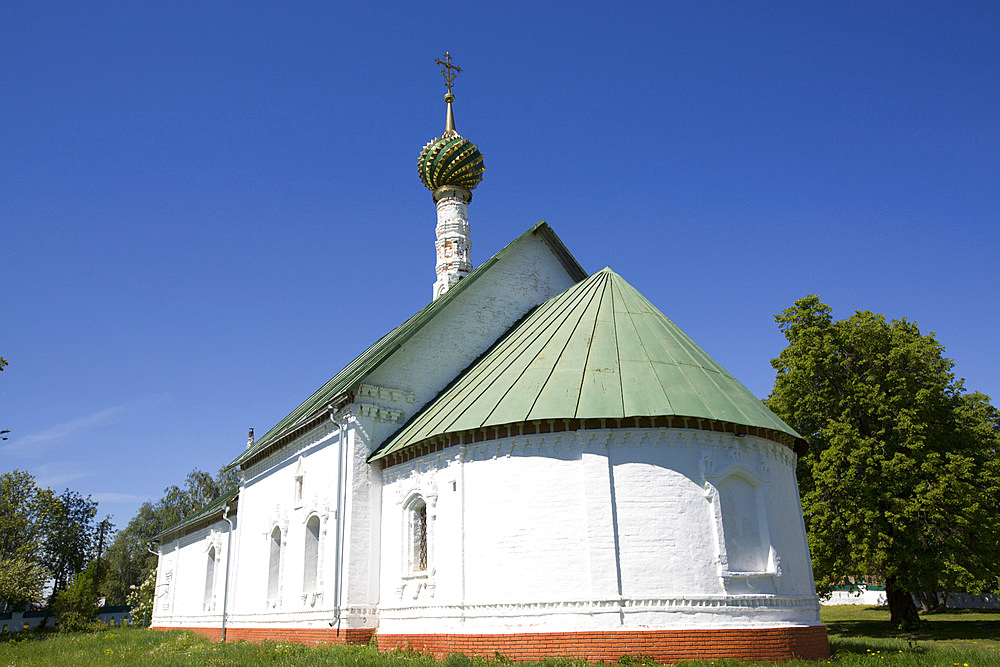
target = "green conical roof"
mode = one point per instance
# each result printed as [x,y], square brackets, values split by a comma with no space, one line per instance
[597,350]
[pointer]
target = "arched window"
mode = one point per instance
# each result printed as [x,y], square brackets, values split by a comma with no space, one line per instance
[310,568]
[210,577]
[741,525]
[274,564]
[418,536]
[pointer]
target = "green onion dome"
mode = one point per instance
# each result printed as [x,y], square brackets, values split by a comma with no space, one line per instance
[451,160]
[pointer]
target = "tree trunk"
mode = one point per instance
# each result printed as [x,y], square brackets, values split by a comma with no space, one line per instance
[932,602]
[902,611]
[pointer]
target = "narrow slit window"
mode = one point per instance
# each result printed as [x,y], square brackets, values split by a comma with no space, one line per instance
[274,564]
[418,532]
[210,577]
[310,569]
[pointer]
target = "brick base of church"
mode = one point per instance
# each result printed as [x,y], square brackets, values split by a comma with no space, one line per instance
[809,643]
[765,644]
[298,635]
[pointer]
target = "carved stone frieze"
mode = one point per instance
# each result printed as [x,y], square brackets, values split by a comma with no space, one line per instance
[378,413]
[385,393]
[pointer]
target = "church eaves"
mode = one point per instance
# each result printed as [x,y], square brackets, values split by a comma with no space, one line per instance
[598,350]
[206,514]
[336,390]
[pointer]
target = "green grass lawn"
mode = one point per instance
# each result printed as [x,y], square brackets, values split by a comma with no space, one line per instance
[858,636]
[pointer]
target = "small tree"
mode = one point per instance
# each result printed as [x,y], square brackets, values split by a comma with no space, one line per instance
[902,479]
[76,605]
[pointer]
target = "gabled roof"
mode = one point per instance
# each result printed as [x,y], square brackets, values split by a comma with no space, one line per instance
[355,372]
[597,350]
[210,510]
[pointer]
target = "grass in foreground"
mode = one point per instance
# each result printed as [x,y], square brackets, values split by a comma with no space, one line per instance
[858,636]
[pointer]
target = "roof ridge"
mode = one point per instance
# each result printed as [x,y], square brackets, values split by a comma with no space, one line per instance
[642,346]
[603,275]
[552,370]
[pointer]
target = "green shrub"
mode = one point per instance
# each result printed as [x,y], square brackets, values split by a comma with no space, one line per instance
[457,660]
[141,598]
[76,606]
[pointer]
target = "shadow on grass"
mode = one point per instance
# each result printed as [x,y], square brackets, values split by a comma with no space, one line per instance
[865,646]
[976,624]
[35,634]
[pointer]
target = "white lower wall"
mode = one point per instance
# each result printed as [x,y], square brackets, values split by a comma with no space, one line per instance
[183,598]
[598,529]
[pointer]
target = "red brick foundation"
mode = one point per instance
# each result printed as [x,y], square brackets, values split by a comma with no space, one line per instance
[765,644]
[299,635]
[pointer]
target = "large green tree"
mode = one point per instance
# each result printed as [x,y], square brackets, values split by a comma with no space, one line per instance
[69,535]
[44,538]
[22,576]
[902,480]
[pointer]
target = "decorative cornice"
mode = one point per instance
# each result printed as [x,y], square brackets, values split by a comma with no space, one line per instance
[304,438]
[493,433]
[378,413]
[304,425]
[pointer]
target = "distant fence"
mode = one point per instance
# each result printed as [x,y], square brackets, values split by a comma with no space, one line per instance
[29,620]
[874,596]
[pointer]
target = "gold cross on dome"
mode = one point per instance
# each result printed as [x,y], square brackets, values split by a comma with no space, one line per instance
[449,70]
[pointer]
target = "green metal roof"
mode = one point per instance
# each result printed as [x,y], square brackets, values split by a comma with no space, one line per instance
[597,350]
[209,510]
[355,372]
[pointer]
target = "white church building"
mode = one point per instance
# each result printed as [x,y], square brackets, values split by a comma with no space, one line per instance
[538,462]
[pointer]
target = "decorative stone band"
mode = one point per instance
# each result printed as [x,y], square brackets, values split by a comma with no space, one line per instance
[377,413]
[761,644]
[444,441]
[385,393]
[523,609]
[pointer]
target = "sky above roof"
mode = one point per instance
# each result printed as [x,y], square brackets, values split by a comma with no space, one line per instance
[208,209]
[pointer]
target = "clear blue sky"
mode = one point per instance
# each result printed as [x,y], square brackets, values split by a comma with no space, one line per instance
[209,208]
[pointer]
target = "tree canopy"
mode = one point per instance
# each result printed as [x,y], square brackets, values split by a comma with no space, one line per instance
[22,577]
[901,482]
[44,537]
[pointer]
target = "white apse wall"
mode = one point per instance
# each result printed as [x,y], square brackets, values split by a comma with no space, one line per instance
[597,530]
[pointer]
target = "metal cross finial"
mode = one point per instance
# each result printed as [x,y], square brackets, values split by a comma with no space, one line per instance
[449,70]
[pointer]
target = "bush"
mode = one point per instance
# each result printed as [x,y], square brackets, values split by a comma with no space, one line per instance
[76,606]
[140,598]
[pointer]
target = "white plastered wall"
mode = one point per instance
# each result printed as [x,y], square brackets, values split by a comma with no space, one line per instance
[540,533]
[273,498]
[180,598]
